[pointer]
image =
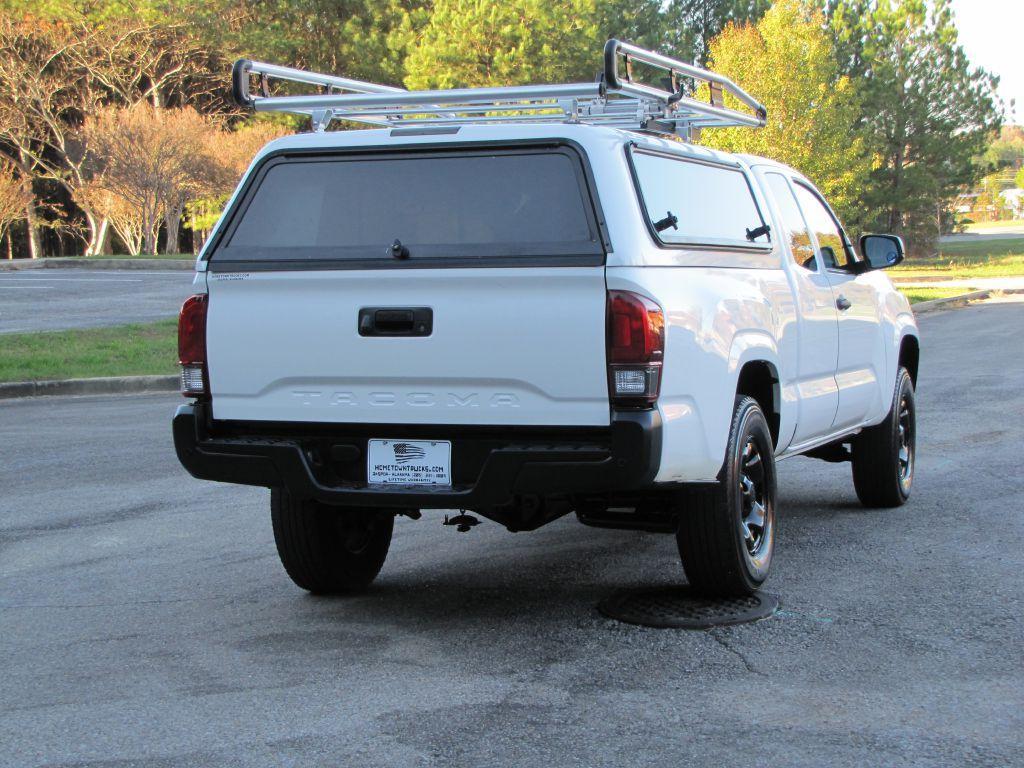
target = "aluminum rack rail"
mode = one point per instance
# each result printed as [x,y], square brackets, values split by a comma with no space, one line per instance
[616,99]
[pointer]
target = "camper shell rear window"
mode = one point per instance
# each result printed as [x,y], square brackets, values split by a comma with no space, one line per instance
[469,207]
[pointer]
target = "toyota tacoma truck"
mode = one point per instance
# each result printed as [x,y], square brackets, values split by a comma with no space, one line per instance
[527,302]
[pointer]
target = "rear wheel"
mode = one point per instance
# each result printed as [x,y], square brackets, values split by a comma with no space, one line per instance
[327,550]
[884,455]
[726,534]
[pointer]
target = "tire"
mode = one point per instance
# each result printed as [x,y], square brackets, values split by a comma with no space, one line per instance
[726,534]
[328,550]
[884,455]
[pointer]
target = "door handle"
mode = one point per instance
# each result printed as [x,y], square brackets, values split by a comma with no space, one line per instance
[843,303]
[396,321]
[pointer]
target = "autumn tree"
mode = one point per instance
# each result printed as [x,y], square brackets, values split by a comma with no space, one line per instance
[228,154]
[40,87]
[152,159]
[15,197]
[925,115]
[56,69]
[787,61]
[139,50]
[121,215]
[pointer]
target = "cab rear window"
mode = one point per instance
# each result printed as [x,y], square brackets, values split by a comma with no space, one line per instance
[690,202]
[470,207]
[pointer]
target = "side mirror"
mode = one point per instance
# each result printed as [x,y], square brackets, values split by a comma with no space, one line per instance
[881,251]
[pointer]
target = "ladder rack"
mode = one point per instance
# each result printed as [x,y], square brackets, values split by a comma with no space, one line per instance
[616,99]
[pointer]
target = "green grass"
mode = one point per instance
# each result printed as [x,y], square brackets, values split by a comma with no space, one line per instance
[124,350]
[994,226]
[916,295]
[989,258]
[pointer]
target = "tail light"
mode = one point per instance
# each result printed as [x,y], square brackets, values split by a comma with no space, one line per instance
[636,346]
[192,346]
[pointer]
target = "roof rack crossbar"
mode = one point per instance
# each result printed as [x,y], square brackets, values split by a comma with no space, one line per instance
[427,99]
[616,99]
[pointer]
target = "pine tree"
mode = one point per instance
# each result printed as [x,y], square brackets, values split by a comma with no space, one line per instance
[471,43]
[925,115]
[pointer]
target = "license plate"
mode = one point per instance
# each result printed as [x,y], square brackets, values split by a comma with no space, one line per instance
[409,462]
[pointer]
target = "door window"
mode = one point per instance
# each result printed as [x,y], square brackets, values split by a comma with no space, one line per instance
[796,228]
[831,243]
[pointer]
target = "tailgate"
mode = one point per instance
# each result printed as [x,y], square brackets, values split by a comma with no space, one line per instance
[508,346]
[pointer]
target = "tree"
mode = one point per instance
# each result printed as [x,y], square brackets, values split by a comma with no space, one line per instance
[55,72]
[362,39]
[161,61]
[38,89]
[469,43]
[1006,150]
[703,20]
[227,155]
[787,62]
[925,115]
[990,205]
[148,158]
[150,166]
[124,218]
[15,197]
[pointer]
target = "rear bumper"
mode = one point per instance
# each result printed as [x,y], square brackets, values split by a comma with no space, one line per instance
[624,457]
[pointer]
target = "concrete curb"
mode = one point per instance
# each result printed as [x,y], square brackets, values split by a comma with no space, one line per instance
[945,303]
[107,385]
[928,306]
[80,262]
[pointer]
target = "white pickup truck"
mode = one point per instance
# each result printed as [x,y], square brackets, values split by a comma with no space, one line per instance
[526,302]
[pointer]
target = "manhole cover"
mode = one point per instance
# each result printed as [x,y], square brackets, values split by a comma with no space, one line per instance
[678,607]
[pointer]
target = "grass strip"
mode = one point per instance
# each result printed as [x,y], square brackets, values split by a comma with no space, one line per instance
[915,295]
[987,258]
[124,350]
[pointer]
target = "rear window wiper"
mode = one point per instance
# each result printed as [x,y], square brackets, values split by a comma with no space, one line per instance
[398,251]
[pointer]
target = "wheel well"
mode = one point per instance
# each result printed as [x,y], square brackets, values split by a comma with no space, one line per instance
[910,356]
[759,381]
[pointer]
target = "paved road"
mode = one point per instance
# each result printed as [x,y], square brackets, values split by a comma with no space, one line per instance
[1002,233]
[53,299]
[146,620]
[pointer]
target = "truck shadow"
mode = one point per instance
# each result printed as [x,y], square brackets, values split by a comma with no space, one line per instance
[556,578]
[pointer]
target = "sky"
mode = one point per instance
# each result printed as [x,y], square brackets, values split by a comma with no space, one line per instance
[992,36]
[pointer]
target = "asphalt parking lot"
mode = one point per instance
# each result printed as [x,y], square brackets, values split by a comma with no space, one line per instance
[146,620]
[54,299]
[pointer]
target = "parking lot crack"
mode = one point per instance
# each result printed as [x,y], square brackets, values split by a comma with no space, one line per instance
[722,641]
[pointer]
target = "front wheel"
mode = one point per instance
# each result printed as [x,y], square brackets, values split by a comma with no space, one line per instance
[329,550]
[726,534]
[884,455]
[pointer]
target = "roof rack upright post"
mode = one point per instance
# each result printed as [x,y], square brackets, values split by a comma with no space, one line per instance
[614,49]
